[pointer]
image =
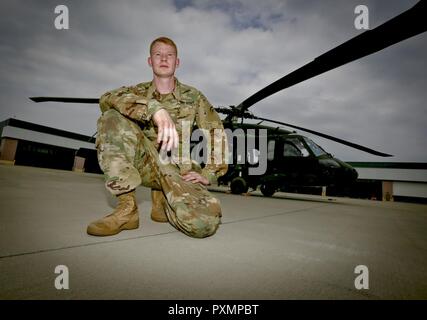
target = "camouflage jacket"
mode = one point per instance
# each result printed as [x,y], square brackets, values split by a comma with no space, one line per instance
[185,103]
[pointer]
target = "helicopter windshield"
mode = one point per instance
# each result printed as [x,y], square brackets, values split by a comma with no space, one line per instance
[317,150]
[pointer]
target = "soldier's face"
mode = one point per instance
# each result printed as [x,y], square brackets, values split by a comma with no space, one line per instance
[163,60]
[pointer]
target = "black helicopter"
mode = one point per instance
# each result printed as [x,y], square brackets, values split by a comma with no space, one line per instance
[293,159]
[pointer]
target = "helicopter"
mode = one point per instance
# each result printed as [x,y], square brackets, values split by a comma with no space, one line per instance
[294,159]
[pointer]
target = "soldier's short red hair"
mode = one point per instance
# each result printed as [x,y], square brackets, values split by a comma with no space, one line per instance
[164,40]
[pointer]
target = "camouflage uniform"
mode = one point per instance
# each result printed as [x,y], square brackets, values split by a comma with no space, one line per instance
[128,152]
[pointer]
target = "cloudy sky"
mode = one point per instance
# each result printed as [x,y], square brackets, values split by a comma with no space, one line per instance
[229,49]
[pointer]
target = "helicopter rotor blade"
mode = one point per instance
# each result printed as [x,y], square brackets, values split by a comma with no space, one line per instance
[401,27]
[64,99]
[323,135]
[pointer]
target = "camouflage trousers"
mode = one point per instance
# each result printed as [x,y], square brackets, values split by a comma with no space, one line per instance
[129,159]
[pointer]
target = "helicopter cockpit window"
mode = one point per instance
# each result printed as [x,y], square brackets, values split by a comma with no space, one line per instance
[294,148]
[291,151]
[317,150]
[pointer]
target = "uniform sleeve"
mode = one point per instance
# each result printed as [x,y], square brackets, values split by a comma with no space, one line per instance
[207,119]
[127,101]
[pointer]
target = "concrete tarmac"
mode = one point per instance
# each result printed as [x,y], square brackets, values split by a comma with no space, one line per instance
[285,247]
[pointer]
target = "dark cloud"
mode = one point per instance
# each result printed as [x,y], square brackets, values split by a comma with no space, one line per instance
[229,50]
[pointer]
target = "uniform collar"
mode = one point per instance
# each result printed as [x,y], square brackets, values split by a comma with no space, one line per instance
[153,93]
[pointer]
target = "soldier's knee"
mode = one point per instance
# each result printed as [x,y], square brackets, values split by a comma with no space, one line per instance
[109,119]
[117,133]
[113,123]
[201,227]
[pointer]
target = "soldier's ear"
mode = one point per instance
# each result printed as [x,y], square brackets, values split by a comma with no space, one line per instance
[177,63]
[149,62]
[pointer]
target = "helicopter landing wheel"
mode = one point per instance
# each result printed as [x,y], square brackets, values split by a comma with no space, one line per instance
[239,185]
[267,190]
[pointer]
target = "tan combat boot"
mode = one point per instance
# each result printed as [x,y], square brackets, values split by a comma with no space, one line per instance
[158,213]
[124,217]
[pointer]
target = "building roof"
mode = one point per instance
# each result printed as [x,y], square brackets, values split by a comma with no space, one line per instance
[18,129]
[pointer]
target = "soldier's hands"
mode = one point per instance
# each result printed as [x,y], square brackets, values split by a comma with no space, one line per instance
[194,177]
[167,135]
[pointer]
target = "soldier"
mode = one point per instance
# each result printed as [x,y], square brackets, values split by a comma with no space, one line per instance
[140,122]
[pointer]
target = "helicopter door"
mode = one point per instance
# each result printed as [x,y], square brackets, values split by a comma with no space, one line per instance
[271,152]
[296,162]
